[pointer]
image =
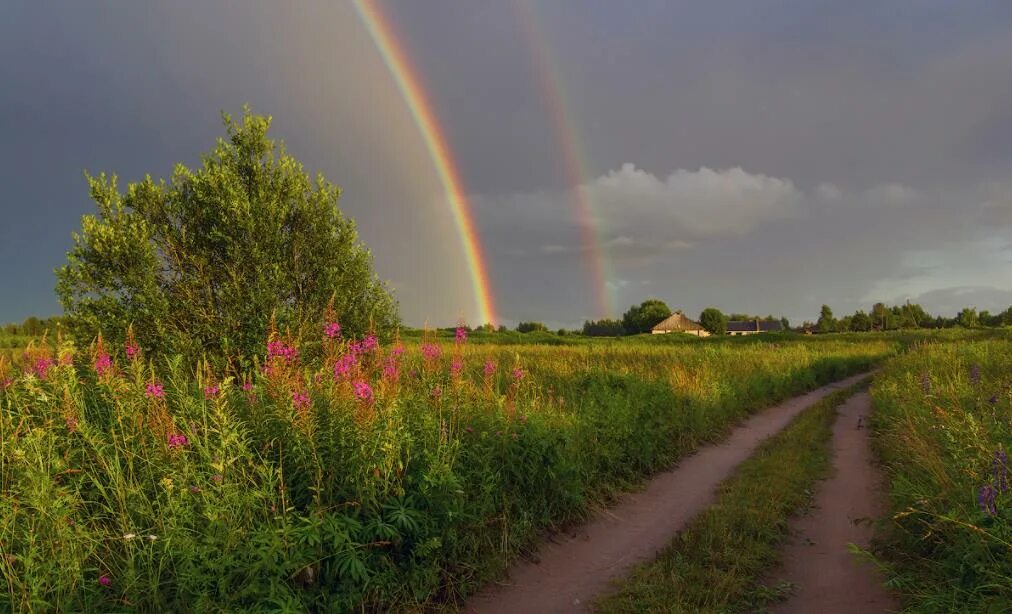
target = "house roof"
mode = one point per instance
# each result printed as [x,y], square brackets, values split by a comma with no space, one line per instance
[742,326]
[677,322]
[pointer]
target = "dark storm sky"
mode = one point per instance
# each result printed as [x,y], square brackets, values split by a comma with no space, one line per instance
[765,157]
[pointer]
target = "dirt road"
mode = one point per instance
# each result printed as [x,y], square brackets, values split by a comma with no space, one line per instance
[577,568]
[829,578]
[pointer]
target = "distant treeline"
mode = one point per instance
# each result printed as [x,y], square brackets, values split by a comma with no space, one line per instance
[906,316]
[33,327]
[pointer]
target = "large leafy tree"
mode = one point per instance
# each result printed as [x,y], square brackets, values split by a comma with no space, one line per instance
[713,320]
[641,318]
[199,265]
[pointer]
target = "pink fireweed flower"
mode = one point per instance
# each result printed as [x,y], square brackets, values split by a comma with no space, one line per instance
[390,369]
[132,351]
[490,368]
[363,391]
[460,336]
[6,383]
[42,367]
[300,399]
[518,374]
[103,364]
[370,343]
[431,351]
[437,393]
[280,349]
[344,366]
[397,350]
[456,366]
[332,330]
[155,390]
[178,440]
[247,386]
[104,580]
[66,359]
[211,391]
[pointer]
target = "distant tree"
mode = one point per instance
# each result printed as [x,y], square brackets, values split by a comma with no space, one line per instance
[1006,318]
[603,328]
[11,329]
[826,322]
[502,328]
[860,322]
[881,318]
[531,327]
[641,318]
[785,323]
[200,265]
[843,324]
[33,326]
[968,318]
[713,320]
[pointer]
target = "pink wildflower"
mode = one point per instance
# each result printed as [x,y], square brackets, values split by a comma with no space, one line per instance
[155,390]
[390,369]
[490,368]
[178,440]
[42,367]
[280,349]
[397,350]
[370,343]
[518,374]
[431,351]
[6,383]
[343,366]
[363,391]
[300,399]
[332,330]
[461,335]
[132,351]
[217,478]
[356,348]
[103,363]
[437,393]
[247,386]
[104,580]
[456,366]
[211,391]
[66,359]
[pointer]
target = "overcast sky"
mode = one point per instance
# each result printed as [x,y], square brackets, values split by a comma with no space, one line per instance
[762,157]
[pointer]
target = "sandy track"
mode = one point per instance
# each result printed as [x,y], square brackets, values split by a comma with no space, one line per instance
[573,570]
[829,578]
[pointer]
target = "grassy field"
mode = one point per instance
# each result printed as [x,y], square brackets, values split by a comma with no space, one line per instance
[374,477]
[943,418]
[718,562]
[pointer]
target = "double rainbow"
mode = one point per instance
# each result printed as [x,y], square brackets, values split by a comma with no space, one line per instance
[385,38]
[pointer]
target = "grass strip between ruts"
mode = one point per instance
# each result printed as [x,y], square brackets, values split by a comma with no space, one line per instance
[718,562]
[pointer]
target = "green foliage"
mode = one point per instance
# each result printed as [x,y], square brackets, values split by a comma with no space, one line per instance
[411,497]
[531,327]
[943,432]
[717,563]
[713,320]
[603,328]
[641,318]
[201,263]
[826,322]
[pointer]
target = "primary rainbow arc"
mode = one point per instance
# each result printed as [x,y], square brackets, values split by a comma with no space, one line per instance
[384,37]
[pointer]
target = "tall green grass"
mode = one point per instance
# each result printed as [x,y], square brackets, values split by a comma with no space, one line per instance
[286,488]
[943,422]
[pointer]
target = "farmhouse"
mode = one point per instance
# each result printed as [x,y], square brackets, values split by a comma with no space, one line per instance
[678,323]
[751,327]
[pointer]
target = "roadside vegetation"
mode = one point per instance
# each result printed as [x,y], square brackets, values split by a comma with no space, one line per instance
[718,562]
[376,476]
[943,423]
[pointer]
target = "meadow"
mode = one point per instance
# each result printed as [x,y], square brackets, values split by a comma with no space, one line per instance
[356,474]
[943,420]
